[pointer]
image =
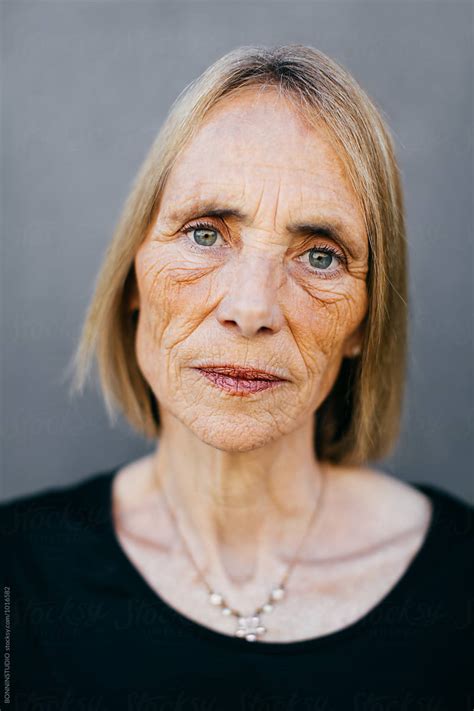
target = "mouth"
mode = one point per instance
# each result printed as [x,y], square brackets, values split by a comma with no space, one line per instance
[240,381]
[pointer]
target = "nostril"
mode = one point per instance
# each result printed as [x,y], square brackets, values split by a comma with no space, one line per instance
[250,316]
[261,329]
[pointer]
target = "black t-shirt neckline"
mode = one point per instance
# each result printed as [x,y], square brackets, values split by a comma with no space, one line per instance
[420,564]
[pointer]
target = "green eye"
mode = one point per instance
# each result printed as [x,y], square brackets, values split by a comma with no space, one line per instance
[204,237]
[324,261]
[323,258]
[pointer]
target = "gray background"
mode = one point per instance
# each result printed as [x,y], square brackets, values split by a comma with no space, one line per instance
[86,86]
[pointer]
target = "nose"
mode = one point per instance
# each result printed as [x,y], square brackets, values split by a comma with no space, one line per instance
[251,302]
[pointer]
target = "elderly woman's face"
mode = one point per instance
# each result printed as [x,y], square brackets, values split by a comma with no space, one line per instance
[258,258]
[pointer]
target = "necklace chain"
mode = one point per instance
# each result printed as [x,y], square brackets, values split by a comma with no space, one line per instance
[249,627]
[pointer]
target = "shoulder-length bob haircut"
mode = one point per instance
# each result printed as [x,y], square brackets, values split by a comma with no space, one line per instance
[359,420]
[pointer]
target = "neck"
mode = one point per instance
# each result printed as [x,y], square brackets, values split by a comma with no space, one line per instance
[242,514]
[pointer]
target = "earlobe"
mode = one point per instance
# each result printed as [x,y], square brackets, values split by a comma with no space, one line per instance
[355,351]
[134,308]
[352,351]
[354,346]
[133,300]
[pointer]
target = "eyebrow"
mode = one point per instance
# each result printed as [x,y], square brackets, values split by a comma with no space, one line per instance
[335,231]
[332,229]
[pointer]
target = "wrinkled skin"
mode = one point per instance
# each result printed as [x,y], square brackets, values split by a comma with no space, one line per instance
[249,294]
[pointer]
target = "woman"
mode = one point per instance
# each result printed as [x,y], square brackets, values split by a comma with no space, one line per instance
[250,316]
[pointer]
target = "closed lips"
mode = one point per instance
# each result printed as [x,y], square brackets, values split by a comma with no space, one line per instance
[240,373]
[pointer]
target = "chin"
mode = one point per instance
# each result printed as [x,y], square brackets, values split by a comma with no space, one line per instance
[233,435]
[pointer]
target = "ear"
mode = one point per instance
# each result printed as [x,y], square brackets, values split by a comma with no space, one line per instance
[133,297]
[353,345]
[134,301]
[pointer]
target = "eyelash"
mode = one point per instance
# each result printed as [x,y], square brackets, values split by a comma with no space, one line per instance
[319,248]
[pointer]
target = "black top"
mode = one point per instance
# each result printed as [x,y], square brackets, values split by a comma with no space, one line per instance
[86,631]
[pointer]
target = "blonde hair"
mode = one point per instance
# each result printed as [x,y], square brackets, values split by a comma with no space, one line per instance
[359,419]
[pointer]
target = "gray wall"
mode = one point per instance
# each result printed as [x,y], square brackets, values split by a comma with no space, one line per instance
[86,86]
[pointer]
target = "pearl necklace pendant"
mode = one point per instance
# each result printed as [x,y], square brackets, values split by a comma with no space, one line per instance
[249,627]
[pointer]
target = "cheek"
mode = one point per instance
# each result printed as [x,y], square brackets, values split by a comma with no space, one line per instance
[320,328]
[155,309]
[325,319]
[332,312]
[174,299]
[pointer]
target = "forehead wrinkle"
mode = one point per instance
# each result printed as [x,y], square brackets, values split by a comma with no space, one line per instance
[259,201]
[277,201]
[198,192]
[199,201]
[273,200]
[266,167]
